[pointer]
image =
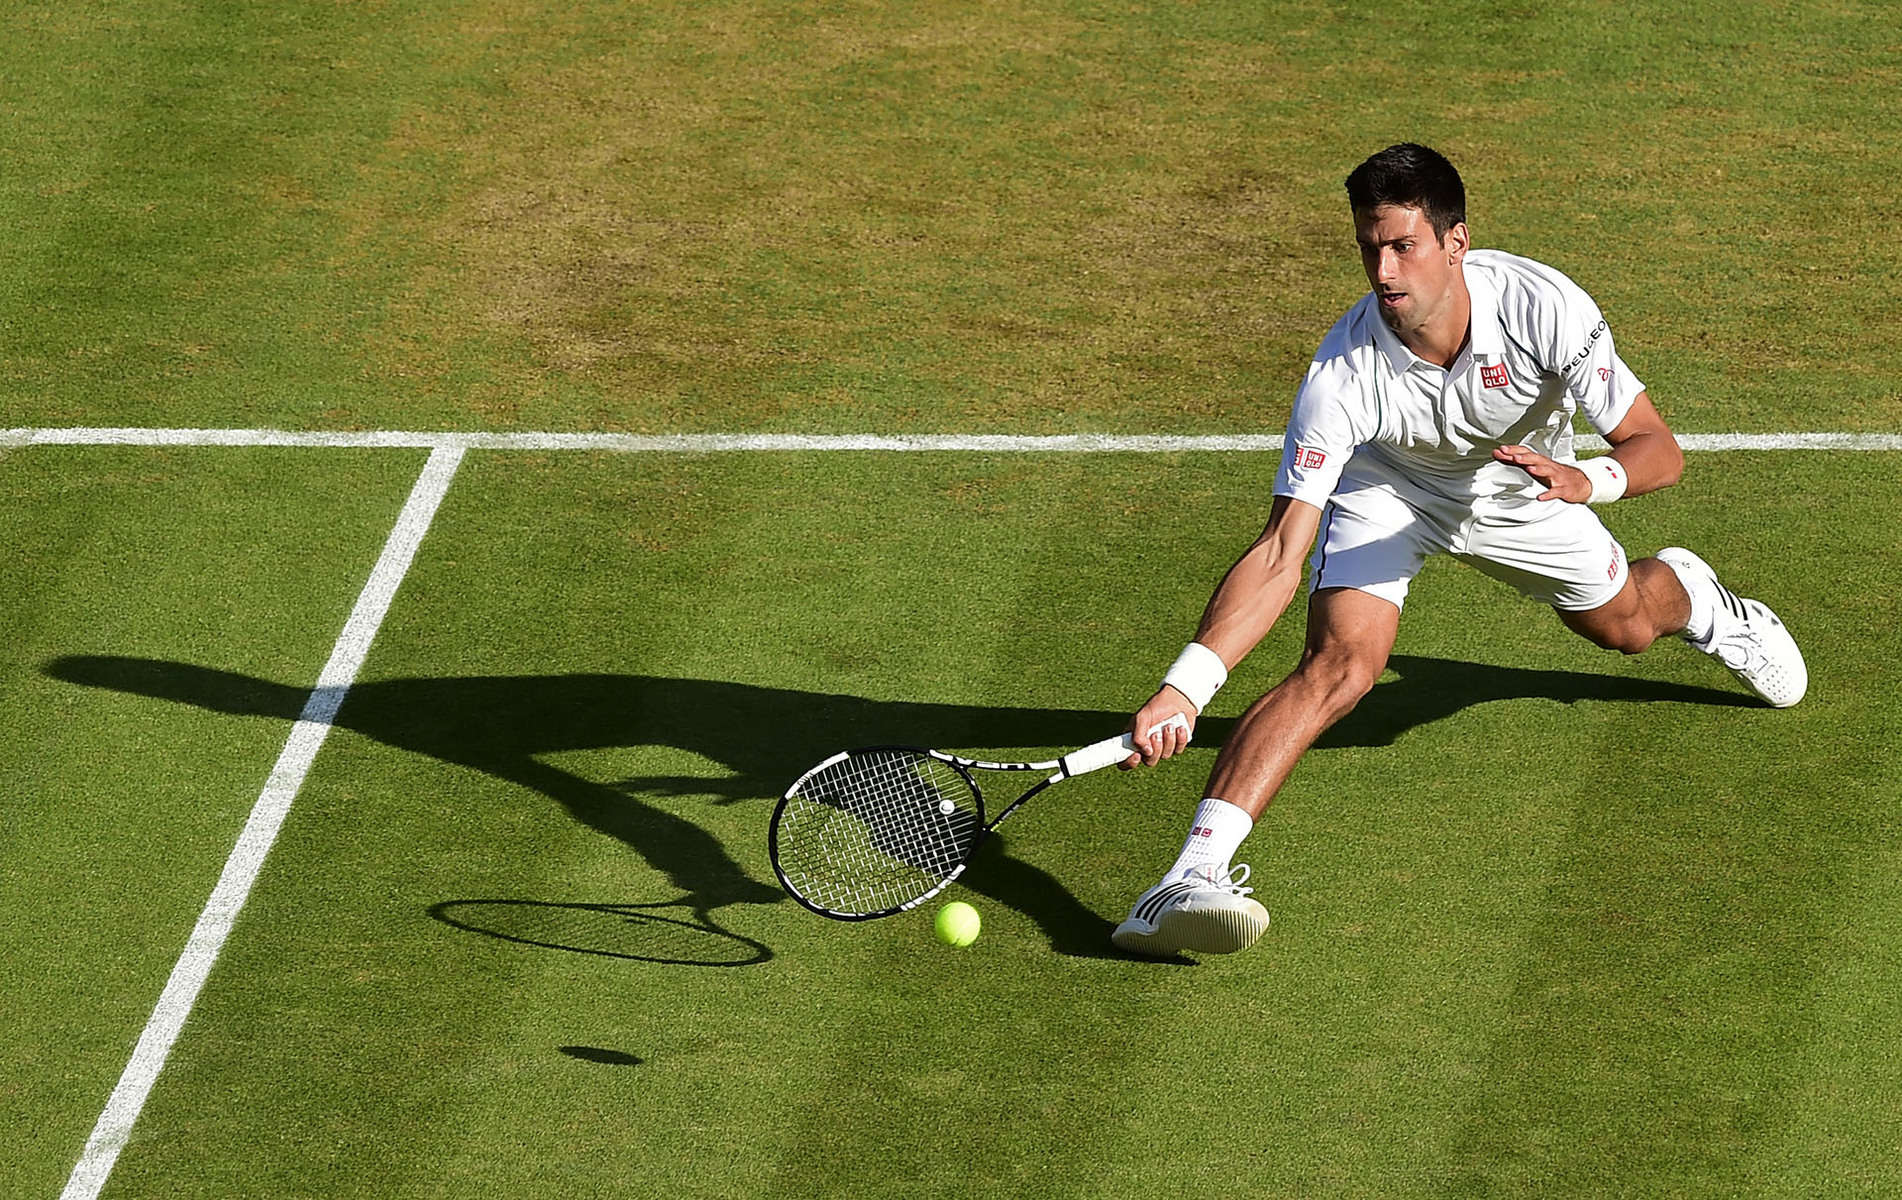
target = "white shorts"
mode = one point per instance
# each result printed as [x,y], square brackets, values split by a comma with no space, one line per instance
[1378,529]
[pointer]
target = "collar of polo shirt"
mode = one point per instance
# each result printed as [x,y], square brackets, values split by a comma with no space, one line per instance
[1483,335]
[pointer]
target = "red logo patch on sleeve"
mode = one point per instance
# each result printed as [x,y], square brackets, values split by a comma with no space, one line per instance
[1311,460]
[1494,376]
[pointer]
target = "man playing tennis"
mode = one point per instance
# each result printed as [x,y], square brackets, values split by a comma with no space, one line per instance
[1435,419]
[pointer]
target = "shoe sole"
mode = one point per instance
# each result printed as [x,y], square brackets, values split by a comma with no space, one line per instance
[1203,931]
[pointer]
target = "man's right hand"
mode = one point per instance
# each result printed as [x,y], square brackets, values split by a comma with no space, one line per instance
[1163,740]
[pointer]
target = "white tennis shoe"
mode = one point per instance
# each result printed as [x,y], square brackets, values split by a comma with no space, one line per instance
[1744,635]
[1200,911]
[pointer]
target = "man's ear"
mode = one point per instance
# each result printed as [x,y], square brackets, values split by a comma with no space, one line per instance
[1457,241]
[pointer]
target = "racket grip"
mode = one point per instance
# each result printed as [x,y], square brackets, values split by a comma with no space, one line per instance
[1109,751]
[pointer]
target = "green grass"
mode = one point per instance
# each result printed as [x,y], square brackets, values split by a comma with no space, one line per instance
[120,813]
[1547,921]
[852,216]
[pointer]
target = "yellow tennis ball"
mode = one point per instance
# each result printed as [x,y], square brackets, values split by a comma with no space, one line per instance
[958,924]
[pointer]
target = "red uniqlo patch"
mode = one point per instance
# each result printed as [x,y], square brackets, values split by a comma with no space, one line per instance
[1494,376]
[1310,459]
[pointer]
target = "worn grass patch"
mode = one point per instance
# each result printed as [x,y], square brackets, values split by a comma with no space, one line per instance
[848,216]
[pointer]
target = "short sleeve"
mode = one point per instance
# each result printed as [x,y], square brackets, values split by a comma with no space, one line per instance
[1322,435]
[1598,382]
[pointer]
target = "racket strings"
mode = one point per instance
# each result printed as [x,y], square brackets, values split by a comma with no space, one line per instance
[877,830]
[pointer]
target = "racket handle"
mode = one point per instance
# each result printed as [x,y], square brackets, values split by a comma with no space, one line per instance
[1109,751]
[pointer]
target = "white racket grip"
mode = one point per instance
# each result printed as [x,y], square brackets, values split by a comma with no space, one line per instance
[1110,751]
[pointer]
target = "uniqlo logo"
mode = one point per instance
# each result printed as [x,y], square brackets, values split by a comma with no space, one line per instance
[1494,376]
[1311,460]
[1203,831]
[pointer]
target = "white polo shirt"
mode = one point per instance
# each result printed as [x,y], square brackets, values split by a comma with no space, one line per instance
[1538,351]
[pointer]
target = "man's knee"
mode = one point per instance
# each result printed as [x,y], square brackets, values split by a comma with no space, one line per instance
[1350,634]
[1651,605]
[1338,678]
[1627,636]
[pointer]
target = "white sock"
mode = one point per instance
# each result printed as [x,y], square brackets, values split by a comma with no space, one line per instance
[1214,838]
[1703,612]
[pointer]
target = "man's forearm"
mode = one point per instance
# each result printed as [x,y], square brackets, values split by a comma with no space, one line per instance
[1651,461]
[1250,599]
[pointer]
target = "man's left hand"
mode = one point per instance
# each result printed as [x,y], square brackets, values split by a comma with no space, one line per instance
[1562,480]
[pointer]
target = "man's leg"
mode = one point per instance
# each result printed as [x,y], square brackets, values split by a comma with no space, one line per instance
[1200,905]
[1678,593]
[1350,635]
[1651,605]
[1563,554]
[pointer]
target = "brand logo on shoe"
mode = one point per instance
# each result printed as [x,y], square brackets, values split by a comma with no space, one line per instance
[1151,906]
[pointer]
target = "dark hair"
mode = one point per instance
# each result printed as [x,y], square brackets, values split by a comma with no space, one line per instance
[1410,176]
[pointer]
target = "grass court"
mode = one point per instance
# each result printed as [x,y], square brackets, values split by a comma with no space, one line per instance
[1546,921]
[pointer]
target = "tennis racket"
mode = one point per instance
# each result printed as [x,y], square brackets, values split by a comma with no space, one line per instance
[868,833]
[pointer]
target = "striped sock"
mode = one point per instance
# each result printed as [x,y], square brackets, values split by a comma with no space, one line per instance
[1213,839]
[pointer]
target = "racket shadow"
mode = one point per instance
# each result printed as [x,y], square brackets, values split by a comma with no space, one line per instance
[670,934]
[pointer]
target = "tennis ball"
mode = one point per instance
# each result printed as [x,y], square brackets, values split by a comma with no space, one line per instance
[958,924]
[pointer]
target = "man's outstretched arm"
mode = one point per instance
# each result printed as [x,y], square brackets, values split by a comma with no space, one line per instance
[1246,604]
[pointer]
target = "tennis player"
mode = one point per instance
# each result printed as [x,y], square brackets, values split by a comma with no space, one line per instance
[1436,418]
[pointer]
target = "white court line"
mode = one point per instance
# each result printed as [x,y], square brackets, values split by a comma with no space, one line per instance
[726,443]
[267,817]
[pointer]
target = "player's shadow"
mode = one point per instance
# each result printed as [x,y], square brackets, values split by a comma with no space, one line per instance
[506,726]
[509,727]
[1432,689]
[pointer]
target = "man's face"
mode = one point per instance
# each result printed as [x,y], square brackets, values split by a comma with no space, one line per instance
[1414,273]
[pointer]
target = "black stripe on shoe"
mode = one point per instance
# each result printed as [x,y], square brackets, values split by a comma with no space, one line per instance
[1153,905]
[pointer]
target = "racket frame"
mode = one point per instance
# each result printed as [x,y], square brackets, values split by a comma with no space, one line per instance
[1090,758]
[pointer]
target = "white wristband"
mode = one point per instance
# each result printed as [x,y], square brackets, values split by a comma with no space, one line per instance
[1608,478]
[1197,673]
